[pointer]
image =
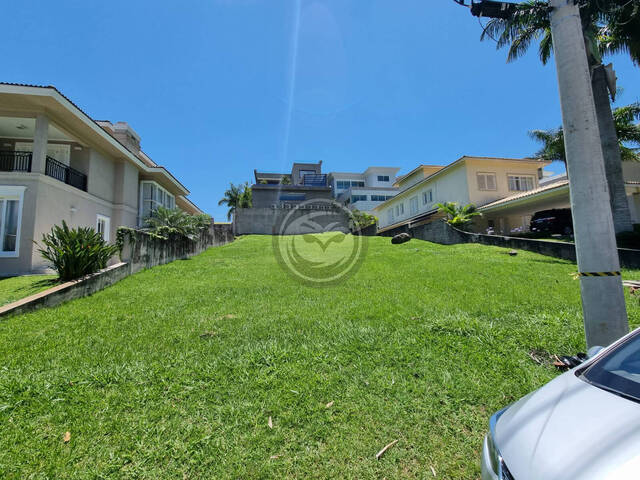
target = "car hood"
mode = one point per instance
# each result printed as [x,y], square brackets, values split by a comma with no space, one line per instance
[569,429]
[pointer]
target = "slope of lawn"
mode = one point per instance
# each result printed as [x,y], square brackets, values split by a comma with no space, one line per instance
[176,371]
[15,288]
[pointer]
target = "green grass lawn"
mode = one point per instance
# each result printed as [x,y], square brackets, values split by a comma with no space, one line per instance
[175,372]
[15,288]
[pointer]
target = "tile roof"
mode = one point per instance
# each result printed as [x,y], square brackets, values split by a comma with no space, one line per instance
[530,193]
[94,121]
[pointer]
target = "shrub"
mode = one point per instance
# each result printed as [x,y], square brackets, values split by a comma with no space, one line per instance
[458,216]
[166,222]
[360,220]
[74,252]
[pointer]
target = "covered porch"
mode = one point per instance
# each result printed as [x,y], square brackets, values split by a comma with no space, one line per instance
[36,145]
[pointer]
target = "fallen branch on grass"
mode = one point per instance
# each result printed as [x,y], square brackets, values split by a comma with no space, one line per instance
[386,447]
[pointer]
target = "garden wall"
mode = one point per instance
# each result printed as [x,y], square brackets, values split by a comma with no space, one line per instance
[441,232]
[267,221]
[142,251]
[139,251]
[81,287]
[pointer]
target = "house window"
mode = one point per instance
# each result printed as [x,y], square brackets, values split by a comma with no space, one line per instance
[10,220]
[390,216]
[358,198]
[399,209]
[357,183]
[343,184]
[486,181]
[380,198]
[154,196]
[103,226]
[383,178]
[427,197]
[413,205]
[521,183]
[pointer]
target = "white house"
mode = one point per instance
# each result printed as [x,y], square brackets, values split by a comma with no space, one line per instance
[364,191]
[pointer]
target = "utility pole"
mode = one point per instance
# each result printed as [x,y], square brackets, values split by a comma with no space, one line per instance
[603,307]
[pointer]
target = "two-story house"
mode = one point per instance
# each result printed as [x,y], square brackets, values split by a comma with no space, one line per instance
[276,190]
[57,163]
[364,191]
[477,180]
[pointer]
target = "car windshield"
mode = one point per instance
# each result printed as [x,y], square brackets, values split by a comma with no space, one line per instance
[618,371]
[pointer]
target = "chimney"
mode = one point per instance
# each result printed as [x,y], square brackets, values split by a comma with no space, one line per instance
[126,135]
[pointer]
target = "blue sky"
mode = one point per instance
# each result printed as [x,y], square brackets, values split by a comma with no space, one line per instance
[217,88]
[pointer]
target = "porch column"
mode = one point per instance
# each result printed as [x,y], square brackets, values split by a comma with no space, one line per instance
[40,140]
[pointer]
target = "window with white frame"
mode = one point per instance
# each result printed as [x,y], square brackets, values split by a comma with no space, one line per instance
[153,196]
[383,178]
[521,183]
[399,209]
[11,199]
[103,226]
[427,197]
[413,205]
[390,216]
[486,181]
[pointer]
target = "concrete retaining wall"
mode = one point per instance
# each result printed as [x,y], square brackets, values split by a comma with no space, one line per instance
[268,221]
[441,232]
[143,251]
[70,290]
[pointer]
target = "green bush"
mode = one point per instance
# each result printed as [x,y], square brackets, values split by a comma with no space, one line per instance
[74,252]
[166,222]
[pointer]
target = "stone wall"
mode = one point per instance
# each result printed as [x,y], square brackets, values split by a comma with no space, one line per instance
[143,251]
[268,221]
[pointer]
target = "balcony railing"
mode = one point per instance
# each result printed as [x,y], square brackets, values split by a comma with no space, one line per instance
[314,180]
[15,161]
[66,174]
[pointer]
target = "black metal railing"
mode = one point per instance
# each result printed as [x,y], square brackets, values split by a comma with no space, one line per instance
[15,161]
[314,180]
[66,174]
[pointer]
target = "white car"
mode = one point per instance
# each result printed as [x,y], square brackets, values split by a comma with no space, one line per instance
[583,425]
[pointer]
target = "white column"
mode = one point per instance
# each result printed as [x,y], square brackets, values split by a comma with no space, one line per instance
[40,140]
[605,315]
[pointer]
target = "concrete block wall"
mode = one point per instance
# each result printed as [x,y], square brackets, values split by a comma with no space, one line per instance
[267,221]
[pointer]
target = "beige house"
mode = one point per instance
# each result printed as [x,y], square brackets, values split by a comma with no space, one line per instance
[477,180]
[57,163]
[513,213]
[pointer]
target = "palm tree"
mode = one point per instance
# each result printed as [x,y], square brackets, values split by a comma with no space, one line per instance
[236,196]
[606,30]
[628,135]
[458,216]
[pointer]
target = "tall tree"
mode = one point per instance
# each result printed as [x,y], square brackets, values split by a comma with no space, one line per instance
[628,134]
[604,32]
[236,196]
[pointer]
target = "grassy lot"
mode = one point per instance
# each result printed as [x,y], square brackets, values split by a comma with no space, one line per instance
[175,372]
[15,288]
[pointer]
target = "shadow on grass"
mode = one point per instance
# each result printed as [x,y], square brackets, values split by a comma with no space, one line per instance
[553,261]
[38,285]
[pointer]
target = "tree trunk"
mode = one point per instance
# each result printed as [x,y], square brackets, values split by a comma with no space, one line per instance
[611,151]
